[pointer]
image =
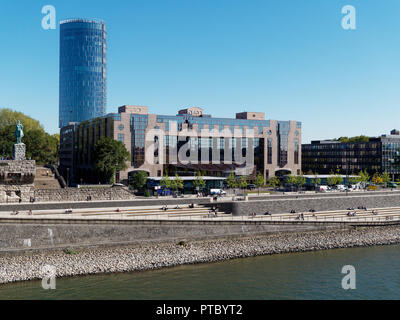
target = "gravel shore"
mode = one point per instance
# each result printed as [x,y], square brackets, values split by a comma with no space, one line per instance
[29,266]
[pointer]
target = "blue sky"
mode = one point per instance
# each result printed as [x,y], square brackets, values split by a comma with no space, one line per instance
[290,59]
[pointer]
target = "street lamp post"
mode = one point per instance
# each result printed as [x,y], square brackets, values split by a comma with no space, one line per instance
[347,169]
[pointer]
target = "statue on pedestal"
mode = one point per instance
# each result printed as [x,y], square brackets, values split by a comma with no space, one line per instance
[19,147]
[19,132]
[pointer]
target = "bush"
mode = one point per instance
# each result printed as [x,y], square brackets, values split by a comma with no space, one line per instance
[69,251]
[147,193]
[182,244]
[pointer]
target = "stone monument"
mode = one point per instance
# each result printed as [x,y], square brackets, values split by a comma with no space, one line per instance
[19,147]
[17,175]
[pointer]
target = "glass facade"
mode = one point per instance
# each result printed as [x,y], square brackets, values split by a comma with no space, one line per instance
[212,122]
[391,156]
[325,157]
[83,75]
[283,133]
[138,129]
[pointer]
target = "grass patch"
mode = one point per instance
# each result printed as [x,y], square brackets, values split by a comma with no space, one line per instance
[69,251]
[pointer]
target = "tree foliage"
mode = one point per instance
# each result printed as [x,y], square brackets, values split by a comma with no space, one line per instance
[376,178]
[353,139]
[40,146]
[109,157]
[334,180]
[259,181]
[231,181]
[298,181]
[139,180]
[274,182]
[165,182]
[199,183]
[364,176]
[176,183]
[242,183]
[385,178]
[10,117]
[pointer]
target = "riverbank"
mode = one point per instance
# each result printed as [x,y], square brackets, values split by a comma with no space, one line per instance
[29,266]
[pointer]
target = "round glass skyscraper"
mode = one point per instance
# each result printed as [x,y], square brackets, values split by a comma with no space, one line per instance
[83,48]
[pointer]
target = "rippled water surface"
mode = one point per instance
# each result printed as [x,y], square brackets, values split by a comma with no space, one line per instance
[310,275]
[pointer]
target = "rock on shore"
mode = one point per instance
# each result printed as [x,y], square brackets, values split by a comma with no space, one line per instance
[29,266]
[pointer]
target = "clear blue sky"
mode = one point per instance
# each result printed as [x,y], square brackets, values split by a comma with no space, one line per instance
[290,59]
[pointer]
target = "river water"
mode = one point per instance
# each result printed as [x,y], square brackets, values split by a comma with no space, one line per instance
[309,275]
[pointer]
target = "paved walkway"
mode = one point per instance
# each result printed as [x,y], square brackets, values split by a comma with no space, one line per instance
[200,213]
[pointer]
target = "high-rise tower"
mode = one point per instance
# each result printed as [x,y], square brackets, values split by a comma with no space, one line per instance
[83,48]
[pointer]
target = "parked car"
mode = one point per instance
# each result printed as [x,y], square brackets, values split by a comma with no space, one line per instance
[251,186]
[322,188]
[341,187]
[391,184]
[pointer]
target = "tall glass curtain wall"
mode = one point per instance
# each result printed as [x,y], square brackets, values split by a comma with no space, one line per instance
[82,70]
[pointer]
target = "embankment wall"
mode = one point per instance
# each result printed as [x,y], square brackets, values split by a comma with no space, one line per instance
[48,234]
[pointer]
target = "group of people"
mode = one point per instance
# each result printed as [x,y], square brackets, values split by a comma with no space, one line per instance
[16,212]
[213,210]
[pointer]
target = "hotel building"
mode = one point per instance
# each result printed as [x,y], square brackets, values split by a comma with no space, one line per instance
[185,143]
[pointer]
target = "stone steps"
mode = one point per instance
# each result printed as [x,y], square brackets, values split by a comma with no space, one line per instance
[45,179]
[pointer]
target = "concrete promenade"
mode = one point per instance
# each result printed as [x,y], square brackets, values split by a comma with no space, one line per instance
[200,213]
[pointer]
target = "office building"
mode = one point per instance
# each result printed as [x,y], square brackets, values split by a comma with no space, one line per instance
[83,59]
[185,143]
[378,154]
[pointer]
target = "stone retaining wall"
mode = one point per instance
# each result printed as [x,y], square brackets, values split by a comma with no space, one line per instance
[16,180]
[82,194]
[47,235]
[318,203]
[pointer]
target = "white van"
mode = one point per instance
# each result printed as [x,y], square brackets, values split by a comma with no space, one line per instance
[217,191]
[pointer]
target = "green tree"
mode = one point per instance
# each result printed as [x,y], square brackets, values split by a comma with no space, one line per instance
[334,180]
[199,182]
[231,181]
[259,181]
[385,178]
[109,157]
[41,146]
[274,182]
[316,180]
[176,183]
[10,117]
[242,183]
[139,180]
[353,180]
[291,179]
[376,178]
[364,176]
[300,181]
[165,182]
[353,139]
